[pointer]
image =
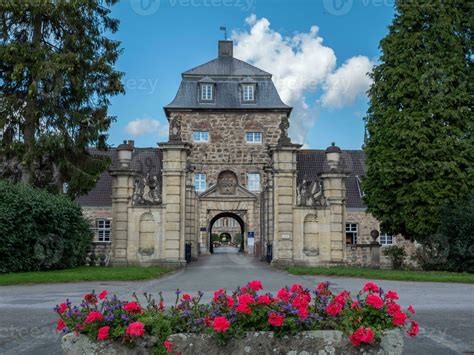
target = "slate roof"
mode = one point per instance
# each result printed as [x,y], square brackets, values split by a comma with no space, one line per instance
[310,163]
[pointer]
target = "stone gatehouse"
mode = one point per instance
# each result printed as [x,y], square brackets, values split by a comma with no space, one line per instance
[229,157]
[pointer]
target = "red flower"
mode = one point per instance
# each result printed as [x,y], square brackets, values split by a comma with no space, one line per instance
[322,287]
[103,333]
[374,301]
[303,312]
[90,298]
[284,295]
[93,316]
[296,288]
[411,309]
[161,306]
[334,308]
[399,319]
[264,299]
[208,321]
[341,298]
[255,285]
[220,324]
[393,309]
[243,308]
[355,304]
[230,301]
[246,299]
[62,308]
[413,331]
[217,294]
[135,329]
[61,325]
[362,335]
[391,295]
[103,294]
[168,346]
[370,286]
[276,320]
[133,307]
[186,297]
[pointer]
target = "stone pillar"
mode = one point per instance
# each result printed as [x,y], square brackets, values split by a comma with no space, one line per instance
[284,189]
[335,192]
[122,189]
[174,201]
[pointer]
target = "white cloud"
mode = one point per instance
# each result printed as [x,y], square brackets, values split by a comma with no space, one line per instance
[300,64]
[347,83]
[146,125]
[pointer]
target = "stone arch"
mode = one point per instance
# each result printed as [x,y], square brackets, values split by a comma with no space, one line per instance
[231,215]
[146,244]
[311,235]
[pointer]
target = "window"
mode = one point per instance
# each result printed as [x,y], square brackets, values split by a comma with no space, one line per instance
[248,92]
[103,230]
[201,136]
[386,239]
[206,92]
[253,182]
[253,137]
[200,182]
[351,233]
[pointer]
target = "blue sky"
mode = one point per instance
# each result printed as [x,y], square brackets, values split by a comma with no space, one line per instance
[163,38]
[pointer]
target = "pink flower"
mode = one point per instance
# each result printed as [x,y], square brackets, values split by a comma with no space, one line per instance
[62,308]
[246,299]
[103,333]
[374,301]
[355,304]
[393,309]
[411,309]
[322,287]
[391,295]
[413,331]
[296,288]
[399,319]
[135,329]
[186,297]
[362,335]
[283,295]
[341,298]
[264,299]
[220,324]
[370,286]
[61,325]
[93,316]
[243,308]
[255,285]
[276,320]
[103,294]
[168,346]
[334,308]
[133,307]
[303,312]
[217,294]
[230,301]
[90,298]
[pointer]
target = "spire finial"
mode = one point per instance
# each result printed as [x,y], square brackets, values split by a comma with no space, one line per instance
[224,28]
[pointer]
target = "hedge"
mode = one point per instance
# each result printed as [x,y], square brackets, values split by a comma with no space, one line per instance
[40,230]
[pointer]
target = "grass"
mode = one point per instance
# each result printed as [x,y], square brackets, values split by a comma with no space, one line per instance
[398,275]
[84,274]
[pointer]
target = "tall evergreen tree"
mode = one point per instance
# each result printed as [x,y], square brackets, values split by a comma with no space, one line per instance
[56,77]
[419,124]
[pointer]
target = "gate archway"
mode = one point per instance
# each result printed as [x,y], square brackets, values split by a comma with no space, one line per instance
[230,215]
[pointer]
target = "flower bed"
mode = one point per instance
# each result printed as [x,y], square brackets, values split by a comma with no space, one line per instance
[364,320]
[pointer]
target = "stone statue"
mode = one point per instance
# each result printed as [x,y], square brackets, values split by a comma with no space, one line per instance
[310,194]
[284,125]
[146,190]
[175,129]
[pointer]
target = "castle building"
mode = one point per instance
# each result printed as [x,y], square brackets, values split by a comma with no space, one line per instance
[229,158]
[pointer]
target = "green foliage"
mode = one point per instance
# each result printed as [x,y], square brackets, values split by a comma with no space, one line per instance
[397,256]
[56,79]
[40,231]
[157,325]
[419,144]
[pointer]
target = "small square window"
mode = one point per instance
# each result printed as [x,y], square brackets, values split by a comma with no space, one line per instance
[206,92]
[248,92]
[253,137]
[200,182]
[253,182]
[103,230]
[201,136]
[386,239]
[351,233]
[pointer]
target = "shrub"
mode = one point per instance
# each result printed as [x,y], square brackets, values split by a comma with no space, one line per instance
[39,230]
[397,255]
[229,315]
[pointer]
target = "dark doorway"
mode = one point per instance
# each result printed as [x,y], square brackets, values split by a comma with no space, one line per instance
[214,238]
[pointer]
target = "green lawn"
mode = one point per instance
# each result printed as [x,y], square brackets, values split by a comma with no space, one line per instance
[84,274]
[398,275]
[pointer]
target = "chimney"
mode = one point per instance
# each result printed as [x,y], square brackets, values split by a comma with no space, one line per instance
[226,49]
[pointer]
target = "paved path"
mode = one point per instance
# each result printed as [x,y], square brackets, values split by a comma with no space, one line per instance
[445,311]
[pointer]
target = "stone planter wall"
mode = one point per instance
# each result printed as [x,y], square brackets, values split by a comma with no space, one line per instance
[311,342]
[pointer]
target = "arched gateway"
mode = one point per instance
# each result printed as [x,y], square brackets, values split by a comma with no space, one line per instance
[233,216]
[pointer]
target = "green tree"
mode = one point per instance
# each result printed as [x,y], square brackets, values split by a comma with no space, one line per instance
[56,77]
[419,124]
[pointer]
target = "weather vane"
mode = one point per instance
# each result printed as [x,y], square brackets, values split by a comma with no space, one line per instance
[223,28]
